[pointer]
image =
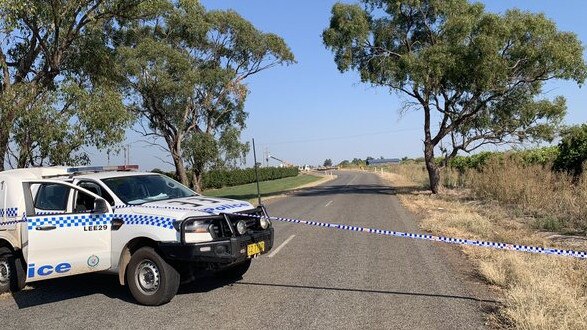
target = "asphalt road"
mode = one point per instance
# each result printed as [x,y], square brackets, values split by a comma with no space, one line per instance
[319,279]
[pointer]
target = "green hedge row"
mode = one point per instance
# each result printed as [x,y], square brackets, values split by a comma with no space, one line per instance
[538,156]
[228,178]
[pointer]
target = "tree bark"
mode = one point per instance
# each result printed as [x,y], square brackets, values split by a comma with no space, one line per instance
[429,144]
[197,180]
[433,170]
[4,136]
[180,168]
[175,150]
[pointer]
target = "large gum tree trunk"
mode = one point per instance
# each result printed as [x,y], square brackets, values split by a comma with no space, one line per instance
[197,181]
[3,149]
[175,149]
[433,170]
[180,168]
[5,128]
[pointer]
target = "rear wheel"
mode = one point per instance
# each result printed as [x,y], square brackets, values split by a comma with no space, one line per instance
[151,280]
[235,272]
[12,277]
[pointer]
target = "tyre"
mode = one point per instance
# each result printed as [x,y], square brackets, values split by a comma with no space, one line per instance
[151,280]
[12,275]
[235,272]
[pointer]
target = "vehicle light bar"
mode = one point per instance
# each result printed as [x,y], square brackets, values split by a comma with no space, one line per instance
[102,168]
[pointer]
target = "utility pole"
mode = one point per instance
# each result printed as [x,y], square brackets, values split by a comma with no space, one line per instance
[127,154]
[257,173]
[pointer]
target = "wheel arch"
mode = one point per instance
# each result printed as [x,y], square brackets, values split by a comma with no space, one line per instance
[6,242]
[128,250]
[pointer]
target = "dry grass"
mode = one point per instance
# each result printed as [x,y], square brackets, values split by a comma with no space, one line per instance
[553,199]
[539,292]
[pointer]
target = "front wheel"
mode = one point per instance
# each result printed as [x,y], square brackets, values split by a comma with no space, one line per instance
[12,276]
[151,280]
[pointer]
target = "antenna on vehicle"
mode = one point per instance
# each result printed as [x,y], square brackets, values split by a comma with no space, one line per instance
[256,173]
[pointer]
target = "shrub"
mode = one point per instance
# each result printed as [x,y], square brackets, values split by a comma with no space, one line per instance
[227,178]
[572,150]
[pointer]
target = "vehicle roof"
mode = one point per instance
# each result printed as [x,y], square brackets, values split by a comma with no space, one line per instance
[38,172]
[62,172]
[111,174]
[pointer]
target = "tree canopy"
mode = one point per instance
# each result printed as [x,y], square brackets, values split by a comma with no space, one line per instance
[59,88]
[187,73]
[479,74]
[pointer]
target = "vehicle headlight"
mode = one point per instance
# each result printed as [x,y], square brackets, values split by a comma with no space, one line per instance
[199,227]
[265,223]
[241,227]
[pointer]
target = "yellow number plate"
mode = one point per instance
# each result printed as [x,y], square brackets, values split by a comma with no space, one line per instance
[255,248]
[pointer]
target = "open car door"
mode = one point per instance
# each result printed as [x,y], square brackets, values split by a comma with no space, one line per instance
[68,230]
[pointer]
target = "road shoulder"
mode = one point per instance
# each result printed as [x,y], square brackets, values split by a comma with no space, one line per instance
[535,291]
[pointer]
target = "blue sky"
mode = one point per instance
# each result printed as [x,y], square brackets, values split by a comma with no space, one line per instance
[309,111]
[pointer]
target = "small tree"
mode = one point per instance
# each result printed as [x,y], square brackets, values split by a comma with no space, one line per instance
[328,162]
[572,150]
[478,74]
[358,162]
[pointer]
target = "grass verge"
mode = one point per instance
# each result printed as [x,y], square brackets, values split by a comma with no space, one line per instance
[268,188]
[538,292]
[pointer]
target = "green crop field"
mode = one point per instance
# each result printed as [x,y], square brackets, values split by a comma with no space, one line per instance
[268,188]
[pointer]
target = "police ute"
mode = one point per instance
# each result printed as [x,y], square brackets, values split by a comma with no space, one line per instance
[150,230]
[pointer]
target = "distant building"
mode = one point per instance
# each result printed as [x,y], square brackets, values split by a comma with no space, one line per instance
[305,168]
[383,162]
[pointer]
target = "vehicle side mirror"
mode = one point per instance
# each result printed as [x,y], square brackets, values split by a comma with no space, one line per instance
[100,206]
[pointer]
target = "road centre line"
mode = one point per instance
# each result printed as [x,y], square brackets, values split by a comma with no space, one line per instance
[353,179]
[280,247]
[327,204]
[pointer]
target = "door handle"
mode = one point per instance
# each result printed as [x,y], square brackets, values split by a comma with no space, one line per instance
[46,227]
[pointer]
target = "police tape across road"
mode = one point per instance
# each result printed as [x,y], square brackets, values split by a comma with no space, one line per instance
[450,240]
[427,237]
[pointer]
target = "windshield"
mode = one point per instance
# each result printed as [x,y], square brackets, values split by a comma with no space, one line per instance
[139,189]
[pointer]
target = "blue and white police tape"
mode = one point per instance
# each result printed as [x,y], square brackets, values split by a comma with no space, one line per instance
[427,237]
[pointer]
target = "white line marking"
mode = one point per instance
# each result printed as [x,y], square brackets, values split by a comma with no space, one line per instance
[328,204]
[353,179]
[280,247]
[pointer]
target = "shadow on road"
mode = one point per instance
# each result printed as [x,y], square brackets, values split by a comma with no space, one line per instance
[50,291]
[397,293]
[359,189]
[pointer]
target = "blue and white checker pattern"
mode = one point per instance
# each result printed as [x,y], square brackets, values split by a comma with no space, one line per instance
[70,220]
[147,220]
[76,220]
[450,240]
[11,212]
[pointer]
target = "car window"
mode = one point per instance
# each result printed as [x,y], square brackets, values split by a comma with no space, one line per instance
[52,197]
[139,189]
[97,189]
[83,202]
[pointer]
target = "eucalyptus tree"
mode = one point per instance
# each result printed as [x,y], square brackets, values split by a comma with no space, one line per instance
[187,73]
[479,74]
[58,85]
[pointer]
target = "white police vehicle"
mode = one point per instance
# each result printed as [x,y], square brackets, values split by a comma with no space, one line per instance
[147,228]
